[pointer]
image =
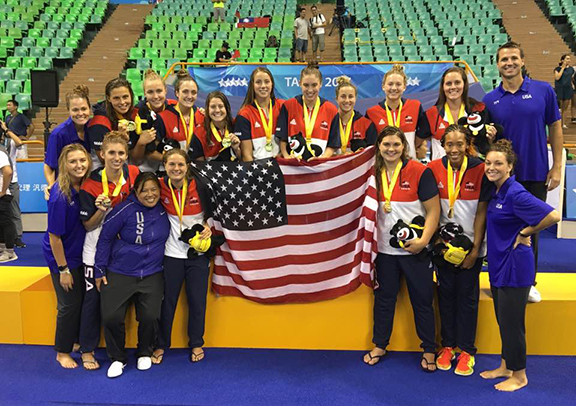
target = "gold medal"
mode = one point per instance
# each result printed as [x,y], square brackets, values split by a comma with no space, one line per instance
[130,125]
[268,146]
[226,142]
[388,207]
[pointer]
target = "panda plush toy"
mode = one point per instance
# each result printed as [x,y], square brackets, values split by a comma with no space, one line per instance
[356,144]
[191,236]
[298,147]
[402,233]
[453,247]
[476,123]
[167,144]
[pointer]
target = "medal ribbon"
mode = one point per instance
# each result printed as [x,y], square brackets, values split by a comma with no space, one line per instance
[345,135]
[179,205]
[454,190]
[106,190]
[310,122]
[267,124]
[388,188]
[389,115]
[461,113]
[188,130]
[216,133]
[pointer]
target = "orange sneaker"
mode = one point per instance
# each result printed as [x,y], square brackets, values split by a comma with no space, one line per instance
[465,364]
[445,357]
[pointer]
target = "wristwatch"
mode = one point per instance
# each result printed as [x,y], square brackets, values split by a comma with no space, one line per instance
[63,269]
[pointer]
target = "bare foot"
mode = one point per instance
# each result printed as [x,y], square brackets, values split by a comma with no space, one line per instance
[373,357]
[512,384]
[496,373]
[66,361]
[197,354]
[89,362]
[158,356]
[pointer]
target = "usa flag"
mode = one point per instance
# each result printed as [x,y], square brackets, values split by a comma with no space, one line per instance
[295,231]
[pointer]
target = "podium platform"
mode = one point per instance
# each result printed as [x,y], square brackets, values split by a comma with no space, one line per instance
[28,316]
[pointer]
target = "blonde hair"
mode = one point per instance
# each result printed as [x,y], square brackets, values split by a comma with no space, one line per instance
[64,179]
[150,75]
[397,69]
[344,81]
[78,92]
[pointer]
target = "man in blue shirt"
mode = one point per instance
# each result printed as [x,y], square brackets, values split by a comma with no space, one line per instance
[16,122]
[525,107]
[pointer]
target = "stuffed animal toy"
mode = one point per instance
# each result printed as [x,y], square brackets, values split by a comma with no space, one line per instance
[357,144]
[167,144]
[402,233]
[476,123]
[451,251]
[299,148]
[191,236]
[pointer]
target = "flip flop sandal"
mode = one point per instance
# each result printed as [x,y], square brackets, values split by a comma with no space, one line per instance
[372,357]
[157,359]
[428,364]
[197,357]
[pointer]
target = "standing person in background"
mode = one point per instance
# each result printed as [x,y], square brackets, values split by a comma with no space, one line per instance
[355,130]
[525,107]
[62,247]
[7,228]
[257,119]
[318,29]
[395,111]
[13,144]
[73,130]
[219,11]
[513,216]
[105,188]
[305,120]
[19,124]
[563,75]
[301,31]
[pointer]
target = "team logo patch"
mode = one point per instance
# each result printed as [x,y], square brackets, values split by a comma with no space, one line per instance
[324,125]
[440,185]
[166,200]
[357,135]
[409,120]
[441,126]
[469,187]
[381,122]
[257,125]
[175,130]
[293,122]
[405,185]
[193,200]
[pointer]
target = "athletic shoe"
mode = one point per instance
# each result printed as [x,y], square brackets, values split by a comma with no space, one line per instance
[565,127]
[19,243]
[444,358]
[116,369]
[465,364]
[144,363]
[8,256]
[534,295]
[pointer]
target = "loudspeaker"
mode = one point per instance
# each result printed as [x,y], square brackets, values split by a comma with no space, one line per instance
[44,88]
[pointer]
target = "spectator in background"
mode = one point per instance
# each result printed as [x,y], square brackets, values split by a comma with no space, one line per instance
[223,55]
[563,74]
[13,144]
[19,124]
[219,10]
[7,229]
[317,27]
[301,30]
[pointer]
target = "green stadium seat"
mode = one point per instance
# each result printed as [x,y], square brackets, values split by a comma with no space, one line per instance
[66,53]
[6,74]
[13,62]
[133,75]
[13,86]
[52,52]
[204,43]
[37,52]
[22,74]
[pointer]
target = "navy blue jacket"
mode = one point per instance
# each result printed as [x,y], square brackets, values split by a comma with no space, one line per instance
[132,240]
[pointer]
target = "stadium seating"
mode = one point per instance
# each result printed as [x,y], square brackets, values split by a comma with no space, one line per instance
[35,33]
[437,30]
[176,32]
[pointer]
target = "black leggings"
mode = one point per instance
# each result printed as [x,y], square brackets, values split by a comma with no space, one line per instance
[510,309]
[69,308]
[7,227]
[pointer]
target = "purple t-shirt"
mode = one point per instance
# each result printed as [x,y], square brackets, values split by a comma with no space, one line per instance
[64,221]
[509,212]
[524,116]
[61,136]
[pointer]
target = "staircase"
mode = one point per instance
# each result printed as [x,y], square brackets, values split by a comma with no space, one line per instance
[333,45]
[103,60]
[542,45]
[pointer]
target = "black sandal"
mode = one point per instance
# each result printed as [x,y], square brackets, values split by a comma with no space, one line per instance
[372,357]
[428,364]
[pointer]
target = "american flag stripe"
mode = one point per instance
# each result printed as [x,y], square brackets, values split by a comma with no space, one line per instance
[326,249]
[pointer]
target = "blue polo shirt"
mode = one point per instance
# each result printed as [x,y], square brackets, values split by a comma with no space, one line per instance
[64,221]
[18,124]
[524,116]
[64,134]
[512,209]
